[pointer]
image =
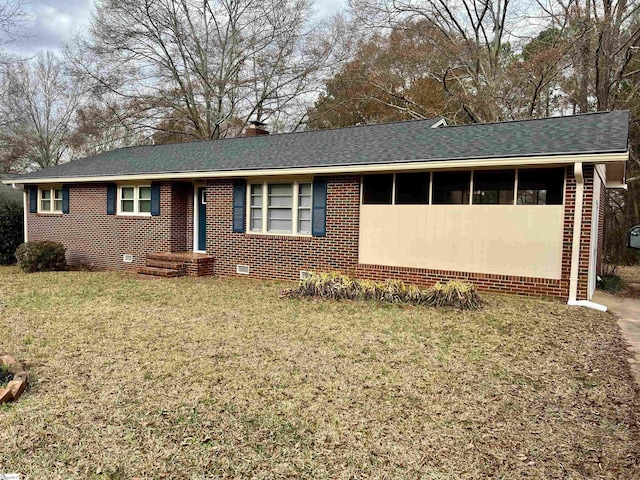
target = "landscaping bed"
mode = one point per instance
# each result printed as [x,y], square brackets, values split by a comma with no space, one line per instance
[214,378]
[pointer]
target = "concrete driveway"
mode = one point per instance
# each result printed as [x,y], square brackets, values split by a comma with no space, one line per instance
[628,312]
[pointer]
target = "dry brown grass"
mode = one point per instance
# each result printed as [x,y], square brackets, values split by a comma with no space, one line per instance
[630,274]
[208,378]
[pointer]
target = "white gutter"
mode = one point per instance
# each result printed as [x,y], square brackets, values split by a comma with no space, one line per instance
[577,227]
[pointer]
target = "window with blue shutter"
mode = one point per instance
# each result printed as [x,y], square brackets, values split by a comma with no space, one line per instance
[111,198]
[155,199]
[319,216]
[65,199]
[239,200]
[33,199]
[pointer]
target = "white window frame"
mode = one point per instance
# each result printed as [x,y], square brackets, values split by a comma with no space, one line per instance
[295,208]
[136,201]
[52,199]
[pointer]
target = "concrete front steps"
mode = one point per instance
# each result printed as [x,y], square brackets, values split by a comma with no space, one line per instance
[177,264]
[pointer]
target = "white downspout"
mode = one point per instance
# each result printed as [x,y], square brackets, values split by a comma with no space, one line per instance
[575,249]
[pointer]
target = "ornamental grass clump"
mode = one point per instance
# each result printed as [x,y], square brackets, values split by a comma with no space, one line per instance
[337,286]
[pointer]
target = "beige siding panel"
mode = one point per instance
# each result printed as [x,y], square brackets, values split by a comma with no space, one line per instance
[500,239]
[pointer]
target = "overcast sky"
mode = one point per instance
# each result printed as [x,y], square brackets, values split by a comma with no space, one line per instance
[55,21]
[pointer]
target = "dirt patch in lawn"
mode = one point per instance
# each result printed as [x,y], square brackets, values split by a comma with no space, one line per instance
[207,378]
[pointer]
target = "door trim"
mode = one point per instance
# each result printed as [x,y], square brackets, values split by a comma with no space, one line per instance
[196,219]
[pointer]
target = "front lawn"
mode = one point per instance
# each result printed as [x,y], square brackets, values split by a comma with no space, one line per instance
[209,378]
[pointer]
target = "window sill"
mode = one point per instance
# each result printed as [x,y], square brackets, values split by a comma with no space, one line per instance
[288,236]
[134,216]
[50,214]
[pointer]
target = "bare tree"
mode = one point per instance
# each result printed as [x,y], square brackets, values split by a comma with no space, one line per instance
[38,112]
[203,67]
[474,35]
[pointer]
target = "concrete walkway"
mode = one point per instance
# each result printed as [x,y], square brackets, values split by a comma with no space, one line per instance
[628,312]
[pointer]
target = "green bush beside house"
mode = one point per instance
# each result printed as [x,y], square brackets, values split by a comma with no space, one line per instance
[11,223]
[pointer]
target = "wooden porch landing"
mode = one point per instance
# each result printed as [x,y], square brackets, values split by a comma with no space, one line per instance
[178,264]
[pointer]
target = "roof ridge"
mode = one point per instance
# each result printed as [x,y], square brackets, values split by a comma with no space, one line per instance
[522,120]
[203,140]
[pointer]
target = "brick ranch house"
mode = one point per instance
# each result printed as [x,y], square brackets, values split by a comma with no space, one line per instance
[511,206]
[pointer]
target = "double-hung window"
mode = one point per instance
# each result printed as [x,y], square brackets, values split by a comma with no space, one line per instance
[280,207]
[50,200]
[134,200]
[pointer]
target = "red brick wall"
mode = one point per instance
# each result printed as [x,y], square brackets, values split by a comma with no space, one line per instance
[91,236]
[283,256]
[94,237]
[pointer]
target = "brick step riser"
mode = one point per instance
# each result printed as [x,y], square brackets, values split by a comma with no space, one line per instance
[165,257]
[179,266]
[157,272]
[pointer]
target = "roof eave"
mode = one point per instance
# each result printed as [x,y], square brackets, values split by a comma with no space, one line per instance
[515,161]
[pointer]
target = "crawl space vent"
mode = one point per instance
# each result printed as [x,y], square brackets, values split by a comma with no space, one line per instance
[243,269]
[304,274]
[127,258]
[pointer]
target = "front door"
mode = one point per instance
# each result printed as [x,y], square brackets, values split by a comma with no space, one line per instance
[202,218]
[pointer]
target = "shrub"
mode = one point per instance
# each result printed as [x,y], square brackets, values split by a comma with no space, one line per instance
[337,286]
[11,229]
[611,283]
[41,256]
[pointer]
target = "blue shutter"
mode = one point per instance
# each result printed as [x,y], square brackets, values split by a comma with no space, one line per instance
[319,212]
[65,198]
[33,199]
[111,199]
[155,199]
[239,199]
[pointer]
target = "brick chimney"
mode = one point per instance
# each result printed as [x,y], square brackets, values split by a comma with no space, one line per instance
[255,128]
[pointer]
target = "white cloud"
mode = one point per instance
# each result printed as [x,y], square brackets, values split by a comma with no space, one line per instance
[51,23]
[56,21]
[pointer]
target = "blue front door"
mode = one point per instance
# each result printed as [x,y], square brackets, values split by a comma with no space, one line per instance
[202,218]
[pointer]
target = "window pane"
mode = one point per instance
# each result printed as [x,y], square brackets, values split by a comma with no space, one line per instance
[45,194]
[280,201]
[304,189]
[256,219]
[494,186]
[451,188]
[540,186]
[412,188]
[281,195]
[145,193]
[256,201]
[57,205]
[281,189]
[127,206]
[144,206]
[127,193]
[304,214]
[279,220]
[377,189]
[279,225]
[304,226]
[57,194]
[304,195]
[45,205]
